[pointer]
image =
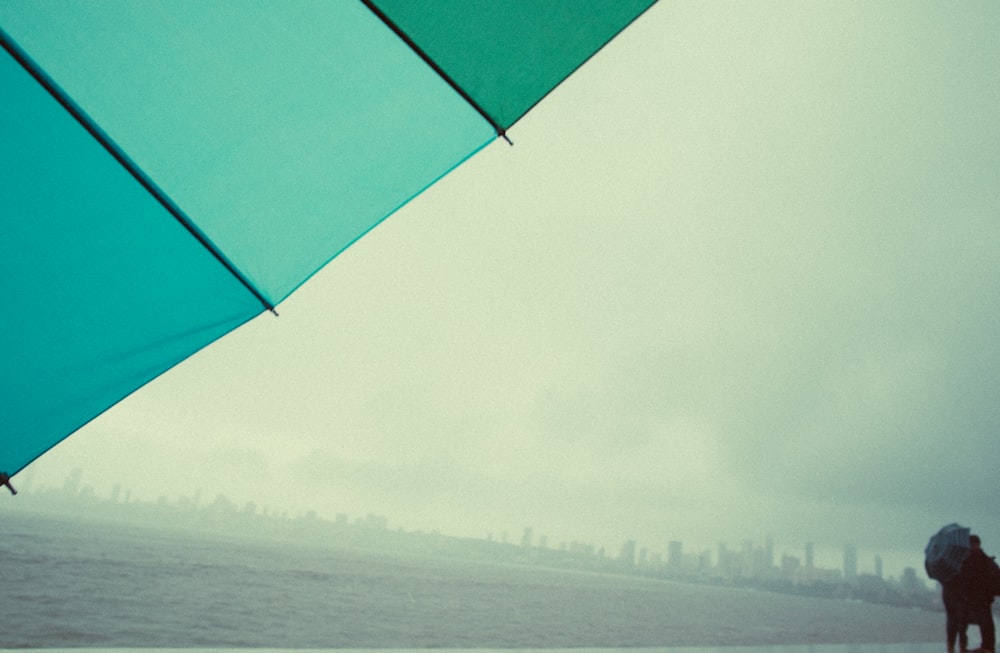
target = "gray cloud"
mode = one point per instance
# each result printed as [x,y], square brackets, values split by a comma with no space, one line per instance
[736,277]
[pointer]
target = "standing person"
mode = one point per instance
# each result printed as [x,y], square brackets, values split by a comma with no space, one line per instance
[956,622]
[978,579]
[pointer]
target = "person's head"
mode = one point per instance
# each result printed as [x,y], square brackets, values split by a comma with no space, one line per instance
[974,541]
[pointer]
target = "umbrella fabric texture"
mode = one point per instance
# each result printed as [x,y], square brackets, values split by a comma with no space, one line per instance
[172,169]
[946,551]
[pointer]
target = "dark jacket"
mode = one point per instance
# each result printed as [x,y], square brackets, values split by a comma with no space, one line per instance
[979,578]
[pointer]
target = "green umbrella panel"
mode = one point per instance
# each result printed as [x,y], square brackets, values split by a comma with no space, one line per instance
[172,169]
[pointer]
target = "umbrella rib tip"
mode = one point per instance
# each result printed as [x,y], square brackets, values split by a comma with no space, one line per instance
[5,481]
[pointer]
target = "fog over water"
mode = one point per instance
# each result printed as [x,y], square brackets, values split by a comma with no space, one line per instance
[736,279]
[80,584]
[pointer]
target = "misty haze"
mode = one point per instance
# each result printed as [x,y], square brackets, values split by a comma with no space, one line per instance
[703,359]
[161,575]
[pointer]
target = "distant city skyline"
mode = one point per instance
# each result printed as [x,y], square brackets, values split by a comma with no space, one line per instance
[675,553]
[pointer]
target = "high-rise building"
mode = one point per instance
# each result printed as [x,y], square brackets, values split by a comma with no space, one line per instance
[878,565]
[675,555]
[850,563]
[723,563]
[909,583]
[789,567]
[705,562]
[809,555]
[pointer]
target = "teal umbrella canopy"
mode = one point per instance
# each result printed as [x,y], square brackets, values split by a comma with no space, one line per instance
[172,169]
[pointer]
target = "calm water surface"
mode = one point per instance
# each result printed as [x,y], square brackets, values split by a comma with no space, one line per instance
[80,585]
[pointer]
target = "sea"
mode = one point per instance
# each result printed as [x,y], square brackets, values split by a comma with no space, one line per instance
[72,584]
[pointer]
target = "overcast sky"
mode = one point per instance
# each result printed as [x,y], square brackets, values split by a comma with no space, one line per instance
[737,277]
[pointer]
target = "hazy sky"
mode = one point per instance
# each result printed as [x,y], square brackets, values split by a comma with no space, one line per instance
[737,277]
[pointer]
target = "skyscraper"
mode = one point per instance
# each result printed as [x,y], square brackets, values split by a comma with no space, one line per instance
[675,555]
[850,563]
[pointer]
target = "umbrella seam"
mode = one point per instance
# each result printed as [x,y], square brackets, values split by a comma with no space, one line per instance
[398,31]
[119,155]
